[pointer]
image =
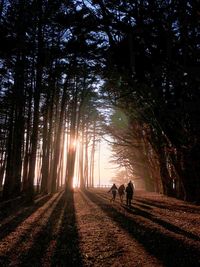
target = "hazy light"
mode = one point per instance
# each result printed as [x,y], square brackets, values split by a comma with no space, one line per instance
[74,144]
[75,182]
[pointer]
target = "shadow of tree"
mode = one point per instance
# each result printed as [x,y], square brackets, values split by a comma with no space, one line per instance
[165,224]
[42,240]
[31,257]
[171,251]
[164,205]
[67,251]
[26,211]
[145,206]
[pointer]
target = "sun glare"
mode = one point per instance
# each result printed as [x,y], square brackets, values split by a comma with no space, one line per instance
[75,182]
[74,144]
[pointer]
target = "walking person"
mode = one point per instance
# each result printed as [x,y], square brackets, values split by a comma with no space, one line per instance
[129,193]
[121,191]
[113,190]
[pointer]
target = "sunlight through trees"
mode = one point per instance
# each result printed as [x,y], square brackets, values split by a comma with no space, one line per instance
[65,65]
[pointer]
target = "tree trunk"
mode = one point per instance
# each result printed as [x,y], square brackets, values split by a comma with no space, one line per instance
[86,157]
[37,92]
[93,154]
[81,158]
[12,186]
[72,149]
[58,140]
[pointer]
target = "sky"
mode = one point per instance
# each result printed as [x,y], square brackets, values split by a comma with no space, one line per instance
[107,169]
[104,170]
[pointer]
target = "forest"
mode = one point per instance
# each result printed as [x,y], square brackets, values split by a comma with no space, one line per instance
[63,62]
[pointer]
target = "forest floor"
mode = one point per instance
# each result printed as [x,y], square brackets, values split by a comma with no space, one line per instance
[85,229]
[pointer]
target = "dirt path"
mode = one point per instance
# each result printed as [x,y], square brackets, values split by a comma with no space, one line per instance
[107,243]
[85,229]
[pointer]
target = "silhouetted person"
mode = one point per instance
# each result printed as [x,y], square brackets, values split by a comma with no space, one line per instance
[129,193]
[113,189]
[131,184]
[121,191]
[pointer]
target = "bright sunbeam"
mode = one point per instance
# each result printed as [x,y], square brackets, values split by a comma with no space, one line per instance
[75,182]
[74,144]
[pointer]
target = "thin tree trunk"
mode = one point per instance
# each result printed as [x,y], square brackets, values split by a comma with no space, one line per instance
[12,185]
[34,137]
[92,155]
[81,149]
[58,140]
[86,156]
[27,147]
[72,149]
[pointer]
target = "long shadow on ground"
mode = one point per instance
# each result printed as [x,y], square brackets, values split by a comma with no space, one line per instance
[171,251]
[164,205]
[26,211]
[165,224]
[67,252]
[32,256]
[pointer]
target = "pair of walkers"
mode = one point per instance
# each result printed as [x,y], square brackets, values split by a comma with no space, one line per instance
[129,190]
